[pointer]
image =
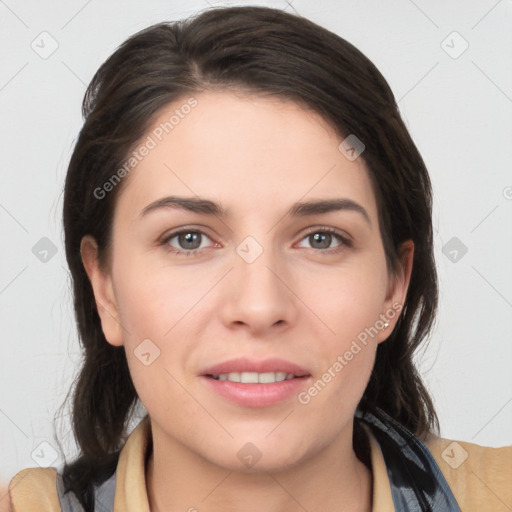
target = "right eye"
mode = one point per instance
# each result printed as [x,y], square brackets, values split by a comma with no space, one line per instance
[189,242]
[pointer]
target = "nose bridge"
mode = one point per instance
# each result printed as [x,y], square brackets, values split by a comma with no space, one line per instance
[254,264]
[257,296]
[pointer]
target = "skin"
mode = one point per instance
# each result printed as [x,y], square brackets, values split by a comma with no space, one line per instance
[255,156]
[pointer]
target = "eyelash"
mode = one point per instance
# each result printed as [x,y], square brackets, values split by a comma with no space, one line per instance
[345,242]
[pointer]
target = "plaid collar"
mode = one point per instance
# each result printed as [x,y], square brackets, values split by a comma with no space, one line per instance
[417,483]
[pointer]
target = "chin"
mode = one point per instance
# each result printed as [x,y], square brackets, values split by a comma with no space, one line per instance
[259,455]
[264,465]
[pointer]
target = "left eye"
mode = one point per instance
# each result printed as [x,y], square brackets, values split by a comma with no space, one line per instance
[322,239]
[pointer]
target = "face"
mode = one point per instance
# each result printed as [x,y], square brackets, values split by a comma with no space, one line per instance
[247,280]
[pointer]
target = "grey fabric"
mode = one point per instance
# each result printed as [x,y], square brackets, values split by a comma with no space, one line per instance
[103,496]
[68,501]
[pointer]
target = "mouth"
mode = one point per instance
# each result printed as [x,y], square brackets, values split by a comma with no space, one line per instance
[255,377]
[256,383]
[252,371]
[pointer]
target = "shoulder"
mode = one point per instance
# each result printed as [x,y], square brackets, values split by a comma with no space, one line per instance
[480,477]
[34,489]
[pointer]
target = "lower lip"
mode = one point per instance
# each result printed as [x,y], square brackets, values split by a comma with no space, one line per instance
[256,395]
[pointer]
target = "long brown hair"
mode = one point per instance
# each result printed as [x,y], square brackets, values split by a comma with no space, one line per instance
[269,52]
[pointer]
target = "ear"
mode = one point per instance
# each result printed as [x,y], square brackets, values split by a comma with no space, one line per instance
[101,283]
[397,289]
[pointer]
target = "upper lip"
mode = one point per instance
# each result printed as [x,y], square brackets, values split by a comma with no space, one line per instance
[243,364]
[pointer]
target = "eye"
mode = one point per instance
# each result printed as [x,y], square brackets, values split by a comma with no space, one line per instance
[192,242]
[189,242]
[322,238]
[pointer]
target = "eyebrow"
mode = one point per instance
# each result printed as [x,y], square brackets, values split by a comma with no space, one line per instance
[299,209]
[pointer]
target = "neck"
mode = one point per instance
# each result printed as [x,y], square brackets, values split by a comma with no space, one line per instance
[334,479]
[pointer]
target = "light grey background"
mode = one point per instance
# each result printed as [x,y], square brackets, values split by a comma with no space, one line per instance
[458,110]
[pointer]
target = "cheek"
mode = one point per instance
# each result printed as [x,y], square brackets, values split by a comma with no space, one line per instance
[349,304]
[158,307]
[153,310]
[153,299]
[350,300]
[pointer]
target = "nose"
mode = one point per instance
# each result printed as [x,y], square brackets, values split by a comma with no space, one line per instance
[258,295]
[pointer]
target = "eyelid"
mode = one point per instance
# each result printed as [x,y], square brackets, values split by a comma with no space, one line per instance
[319,228]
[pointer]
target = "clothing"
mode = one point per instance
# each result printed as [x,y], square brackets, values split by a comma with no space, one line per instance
[408,475]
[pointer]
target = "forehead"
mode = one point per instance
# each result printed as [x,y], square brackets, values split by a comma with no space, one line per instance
[244,151]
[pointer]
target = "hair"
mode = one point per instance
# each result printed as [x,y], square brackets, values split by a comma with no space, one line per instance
[267,52]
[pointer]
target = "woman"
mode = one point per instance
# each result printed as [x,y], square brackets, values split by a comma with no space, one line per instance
[248,228]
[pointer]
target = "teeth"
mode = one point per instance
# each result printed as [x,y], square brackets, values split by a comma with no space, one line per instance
[233,377]
[248,378]
[269,377]
[254,377]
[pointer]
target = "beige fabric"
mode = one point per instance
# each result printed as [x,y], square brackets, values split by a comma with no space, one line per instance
[483,481]
[34,489]
[131,468]
[381,497]
[480,477]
